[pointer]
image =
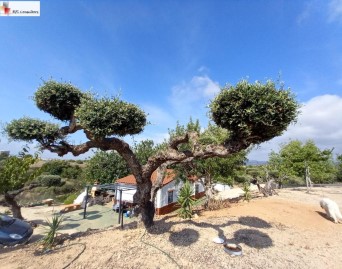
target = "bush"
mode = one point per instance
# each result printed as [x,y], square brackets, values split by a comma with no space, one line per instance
[72,172]
[67,188]
[70,199]
[186,201]
[55,167]
[50,180]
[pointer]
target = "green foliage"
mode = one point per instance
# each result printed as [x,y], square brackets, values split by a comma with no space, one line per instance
[49,180]
[3,155]
[192,126]
[105,117]
[105,167]
[28,129]
[61,168]
[15,172]
[58,99]
[55,167]
[145,149]
[247,196]
[339,168]
[293,158]
[214,135]
[68,187]
[70,198]
[255,112]
[72,172]
[186,201]
[214,169]
[53,226]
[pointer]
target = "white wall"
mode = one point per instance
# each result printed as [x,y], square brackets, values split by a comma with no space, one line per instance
[126,195]
[221,187]
[162,194]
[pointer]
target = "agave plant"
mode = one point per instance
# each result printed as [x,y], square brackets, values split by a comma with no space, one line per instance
[186,201]
[52,226]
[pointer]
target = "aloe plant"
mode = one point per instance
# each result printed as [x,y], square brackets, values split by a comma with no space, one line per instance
[186,201]
[52,226]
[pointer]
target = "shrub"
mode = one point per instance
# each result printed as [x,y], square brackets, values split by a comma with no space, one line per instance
[71,172]
[53,226]
[186,201]
[67,188]
[247,196]
[55,167]
[50,180]
[70,199]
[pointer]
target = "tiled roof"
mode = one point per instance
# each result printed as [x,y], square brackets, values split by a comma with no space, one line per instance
[170,176]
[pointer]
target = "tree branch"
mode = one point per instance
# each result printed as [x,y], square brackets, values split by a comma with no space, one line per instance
[26,188]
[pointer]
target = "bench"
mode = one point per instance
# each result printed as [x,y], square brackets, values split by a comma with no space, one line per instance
[70,207]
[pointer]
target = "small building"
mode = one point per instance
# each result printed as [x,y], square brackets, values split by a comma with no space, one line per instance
[167,195]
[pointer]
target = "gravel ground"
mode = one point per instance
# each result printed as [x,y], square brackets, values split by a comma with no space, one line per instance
[285,231]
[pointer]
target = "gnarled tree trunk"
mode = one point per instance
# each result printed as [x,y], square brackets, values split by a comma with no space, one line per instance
[12,203]
[10,199]
[142,198]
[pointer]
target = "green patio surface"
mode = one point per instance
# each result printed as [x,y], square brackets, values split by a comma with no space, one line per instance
[97,217]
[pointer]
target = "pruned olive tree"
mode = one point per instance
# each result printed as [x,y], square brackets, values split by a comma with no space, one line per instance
[252,113]
[15,171]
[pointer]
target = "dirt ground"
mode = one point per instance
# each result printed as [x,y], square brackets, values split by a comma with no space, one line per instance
[285,231]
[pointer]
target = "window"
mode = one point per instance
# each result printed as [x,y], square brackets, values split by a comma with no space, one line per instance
[170,197]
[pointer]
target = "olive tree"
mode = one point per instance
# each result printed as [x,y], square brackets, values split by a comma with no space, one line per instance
[211,170]
[295,157]
[251,112]
[105,167]
[15,171]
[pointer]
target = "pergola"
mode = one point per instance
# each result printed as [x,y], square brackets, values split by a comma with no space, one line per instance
[115,187]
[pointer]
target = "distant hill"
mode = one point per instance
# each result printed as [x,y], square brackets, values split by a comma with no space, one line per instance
[254,162]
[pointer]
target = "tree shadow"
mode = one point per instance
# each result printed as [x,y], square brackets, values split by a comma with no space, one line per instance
[254,222]
[253,238]
[35,238]
[177,238]
[39,222]
[185,237]
[91,212]
[92,217]
[68,226]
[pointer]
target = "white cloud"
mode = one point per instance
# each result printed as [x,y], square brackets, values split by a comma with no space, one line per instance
[335,10]
[306,13]
[320,120]
[158,116]
[198,88]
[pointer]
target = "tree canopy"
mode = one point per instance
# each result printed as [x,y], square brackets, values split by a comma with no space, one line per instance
[105,167]
[15,171]
[254,112]
[295,156]
[250,112]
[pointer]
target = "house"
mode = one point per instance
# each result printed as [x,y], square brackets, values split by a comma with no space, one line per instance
[167,195]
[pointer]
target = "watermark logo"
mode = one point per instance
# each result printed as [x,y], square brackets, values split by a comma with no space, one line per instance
[19,8]
[4,8]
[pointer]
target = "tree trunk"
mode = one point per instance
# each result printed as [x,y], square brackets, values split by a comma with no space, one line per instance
[208,190]
[147,214]
[161,172]
[15,208]
[142,198]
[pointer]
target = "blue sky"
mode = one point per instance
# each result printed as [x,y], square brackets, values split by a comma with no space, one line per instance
[171,58]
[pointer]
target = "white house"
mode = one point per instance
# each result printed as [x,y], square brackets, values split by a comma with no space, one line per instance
[167,195]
